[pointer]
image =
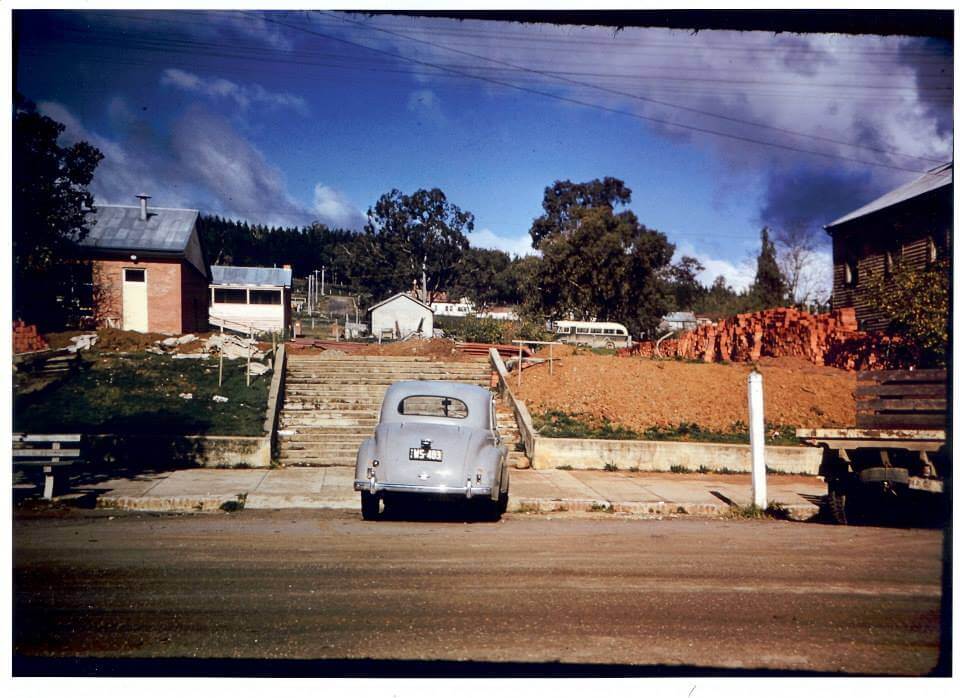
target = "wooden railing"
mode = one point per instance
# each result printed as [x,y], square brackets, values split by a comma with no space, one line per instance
[527,433]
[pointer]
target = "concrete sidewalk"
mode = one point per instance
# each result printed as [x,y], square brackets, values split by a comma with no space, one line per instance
[652,494]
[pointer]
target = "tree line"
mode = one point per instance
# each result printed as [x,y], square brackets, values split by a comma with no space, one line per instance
[594,257]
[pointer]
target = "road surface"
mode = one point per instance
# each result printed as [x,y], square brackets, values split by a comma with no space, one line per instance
[324,593]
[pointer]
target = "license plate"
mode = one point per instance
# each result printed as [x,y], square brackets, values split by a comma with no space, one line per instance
[426,454]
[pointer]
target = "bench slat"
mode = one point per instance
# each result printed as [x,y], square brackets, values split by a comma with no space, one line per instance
[46,437]
[64,452]
[19,463]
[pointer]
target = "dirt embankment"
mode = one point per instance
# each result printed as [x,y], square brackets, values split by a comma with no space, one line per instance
[441,349]
[641,393]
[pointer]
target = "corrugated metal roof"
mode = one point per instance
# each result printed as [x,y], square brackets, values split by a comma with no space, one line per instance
[120,228]
[250,276]
[939,176]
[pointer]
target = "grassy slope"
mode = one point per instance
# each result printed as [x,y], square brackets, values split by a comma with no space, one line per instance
[139,394]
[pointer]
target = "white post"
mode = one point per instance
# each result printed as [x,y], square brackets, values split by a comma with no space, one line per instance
[757,457]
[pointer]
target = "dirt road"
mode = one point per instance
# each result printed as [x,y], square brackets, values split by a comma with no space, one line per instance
[653,597]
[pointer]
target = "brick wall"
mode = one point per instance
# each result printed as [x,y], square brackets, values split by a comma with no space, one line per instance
[164,293]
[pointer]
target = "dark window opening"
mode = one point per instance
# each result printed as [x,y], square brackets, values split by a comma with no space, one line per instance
[229,295]
[265,297]
[135,275]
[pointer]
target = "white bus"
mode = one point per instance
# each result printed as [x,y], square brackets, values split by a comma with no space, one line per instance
[608,335]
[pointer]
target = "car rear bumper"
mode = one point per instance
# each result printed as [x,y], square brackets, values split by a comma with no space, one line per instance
[466,491]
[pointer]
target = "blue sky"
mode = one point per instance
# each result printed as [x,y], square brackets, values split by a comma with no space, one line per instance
[290,117]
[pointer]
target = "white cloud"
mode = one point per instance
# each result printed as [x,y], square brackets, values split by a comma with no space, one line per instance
[488,239]
[205,164]
[879,93]
[738,274]
[334,210]
[220,88]
[213,155]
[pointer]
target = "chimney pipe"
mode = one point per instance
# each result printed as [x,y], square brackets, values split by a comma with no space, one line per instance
[143,206]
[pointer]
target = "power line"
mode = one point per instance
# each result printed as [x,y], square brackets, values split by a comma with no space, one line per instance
[641,98]
[243,51]
[579,102]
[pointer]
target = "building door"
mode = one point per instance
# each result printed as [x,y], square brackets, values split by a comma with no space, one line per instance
[135,300]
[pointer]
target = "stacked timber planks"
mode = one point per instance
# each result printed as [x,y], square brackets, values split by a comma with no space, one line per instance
[483,349]
[902,399]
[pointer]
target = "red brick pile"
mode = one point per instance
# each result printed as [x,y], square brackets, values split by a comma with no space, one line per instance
[25,338]
[829,339]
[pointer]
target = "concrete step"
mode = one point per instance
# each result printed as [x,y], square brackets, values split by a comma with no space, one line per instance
[320,442]
[326,421]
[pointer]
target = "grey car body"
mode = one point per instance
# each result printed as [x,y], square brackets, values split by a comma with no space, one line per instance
[437,439]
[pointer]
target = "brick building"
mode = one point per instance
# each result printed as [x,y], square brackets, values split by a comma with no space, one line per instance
[909,226]
[148,269]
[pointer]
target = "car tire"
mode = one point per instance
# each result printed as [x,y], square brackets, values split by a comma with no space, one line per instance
[369,506]
[502,501]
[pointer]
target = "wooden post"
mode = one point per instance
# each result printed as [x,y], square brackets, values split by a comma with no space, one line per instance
[220,375]
[551,358]
[520,364]
[48,474]
[249,352]
[758,461]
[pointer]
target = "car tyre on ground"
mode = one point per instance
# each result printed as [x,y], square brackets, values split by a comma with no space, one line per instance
[369,506]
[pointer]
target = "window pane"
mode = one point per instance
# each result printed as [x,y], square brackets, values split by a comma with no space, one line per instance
[135,275]
[229,295]
[265,297]
[433,406]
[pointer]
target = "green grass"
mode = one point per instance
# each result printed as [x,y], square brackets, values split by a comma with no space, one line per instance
[554,423]
[139,394]
[557,424]
[737,433]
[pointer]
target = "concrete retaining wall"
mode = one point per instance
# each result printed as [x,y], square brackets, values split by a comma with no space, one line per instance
[662,455]
[140,451]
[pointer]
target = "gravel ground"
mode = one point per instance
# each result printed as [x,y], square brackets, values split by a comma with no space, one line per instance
[324,593]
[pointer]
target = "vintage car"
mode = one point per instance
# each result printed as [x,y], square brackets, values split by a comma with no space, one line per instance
[435,439]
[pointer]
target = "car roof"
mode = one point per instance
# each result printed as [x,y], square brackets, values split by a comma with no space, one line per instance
[476,398]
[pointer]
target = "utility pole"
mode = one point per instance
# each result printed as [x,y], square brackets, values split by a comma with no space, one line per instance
[423,287]
[323,274]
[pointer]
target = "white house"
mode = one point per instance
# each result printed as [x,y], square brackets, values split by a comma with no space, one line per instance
[257,297]
[442,305]
[500,312]
[399,316]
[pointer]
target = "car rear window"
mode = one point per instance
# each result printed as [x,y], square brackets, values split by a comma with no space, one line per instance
[432,406]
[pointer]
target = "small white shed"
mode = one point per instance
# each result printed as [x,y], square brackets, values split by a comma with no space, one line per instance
[399,316]
[244,297]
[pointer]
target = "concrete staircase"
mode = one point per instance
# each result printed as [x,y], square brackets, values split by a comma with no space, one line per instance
[510,432]
[332,403]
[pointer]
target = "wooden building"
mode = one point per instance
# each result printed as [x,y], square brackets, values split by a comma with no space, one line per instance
[149,273]
[242,298]
[909,226]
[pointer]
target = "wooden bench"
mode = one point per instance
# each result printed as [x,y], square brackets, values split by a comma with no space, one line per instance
[47,450]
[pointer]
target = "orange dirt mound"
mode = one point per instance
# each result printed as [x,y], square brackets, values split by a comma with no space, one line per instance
[444,349]
[641,393]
